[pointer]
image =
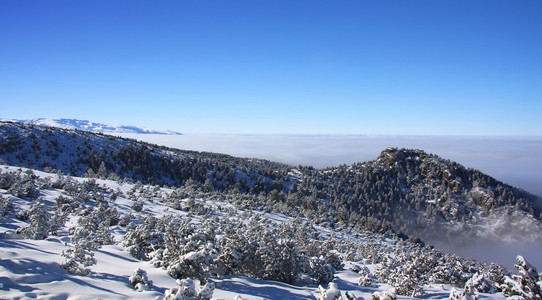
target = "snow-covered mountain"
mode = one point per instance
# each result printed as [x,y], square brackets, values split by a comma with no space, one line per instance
[92,126]
[404,191]
[207,217]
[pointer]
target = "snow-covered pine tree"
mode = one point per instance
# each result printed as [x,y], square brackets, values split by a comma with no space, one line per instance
[186,289]
[403,272]
[144,238]
[79,258]
[385,295]
[140,281]
[526,284]
[495,274]
[23,186]
[234,249]
[40,223]
[320,271]
[58,220]
[86,238]
[478,284]
[366,278]
[102,171]
[193,264]
[331,293]
[6,207]
[456,294]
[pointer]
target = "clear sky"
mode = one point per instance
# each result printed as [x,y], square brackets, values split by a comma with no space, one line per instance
[462,67]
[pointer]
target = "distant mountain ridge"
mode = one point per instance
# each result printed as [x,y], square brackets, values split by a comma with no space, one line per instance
[92,126]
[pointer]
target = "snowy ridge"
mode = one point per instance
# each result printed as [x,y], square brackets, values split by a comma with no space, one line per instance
[92,126]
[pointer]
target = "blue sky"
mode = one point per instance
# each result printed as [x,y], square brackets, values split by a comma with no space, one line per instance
[369,67]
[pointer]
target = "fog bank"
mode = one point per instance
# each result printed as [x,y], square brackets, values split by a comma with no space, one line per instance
[501,252]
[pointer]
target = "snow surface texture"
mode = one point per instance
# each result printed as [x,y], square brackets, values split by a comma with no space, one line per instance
[32,268]
[92,126]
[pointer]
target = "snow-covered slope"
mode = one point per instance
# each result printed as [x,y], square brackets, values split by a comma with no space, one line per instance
[216,217]
[92,126]
[403,191]
[361,264]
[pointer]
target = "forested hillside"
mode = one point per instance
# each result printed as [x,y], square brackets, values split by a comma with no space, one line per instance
[403,191]
[88,238]
[203,216]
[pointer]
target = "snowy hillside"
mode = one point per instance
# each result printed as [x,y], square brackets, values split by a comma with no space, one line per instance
[92,208]
[406,192]
[92,126]
[403,191]
[65,237]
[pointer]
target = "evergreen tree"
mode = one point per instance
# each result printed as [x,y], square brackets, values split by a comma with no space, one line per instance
[526,284]
[140,281]
[40,223]
[6,207]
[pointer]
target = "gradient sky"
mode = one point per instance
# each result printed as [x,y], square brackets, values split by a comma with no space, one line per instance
[462,67]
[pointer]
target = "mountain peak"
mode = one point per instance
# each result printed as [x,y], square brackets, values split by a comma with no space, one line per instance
[392,155]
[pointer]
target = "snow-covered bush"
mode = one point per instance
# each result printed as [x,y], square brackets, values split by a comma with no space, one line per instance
[385,295]
[186,288]
[79,258]
[478,284]
[126,219]
[206,292]
[320,271]
[22,215]
[403,271]
[448,268]
[94,228]
[66,204]
[24,187]
[58,221]
[156,258]
[280,259]
[333,258]
[193,264]
[456,294]
[6,207]
[236,253]
[366,278]
[137,205]
[140,281]
[40,223]
[144,239]
[526,284]
[7,179]
[90,235]
[331,293]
